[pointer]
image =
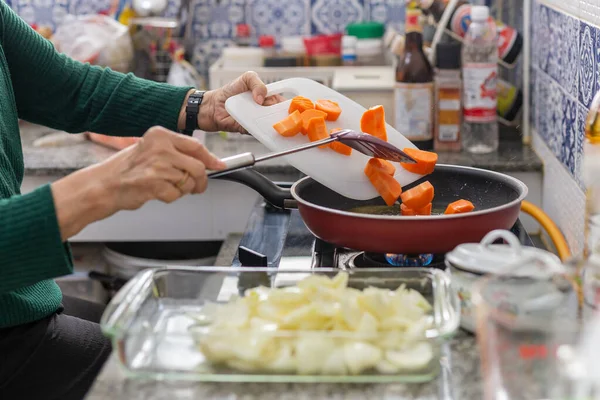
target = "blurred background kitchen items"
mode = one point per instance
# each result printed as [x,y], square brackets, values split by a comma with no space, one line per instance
[470,262]
[523,316]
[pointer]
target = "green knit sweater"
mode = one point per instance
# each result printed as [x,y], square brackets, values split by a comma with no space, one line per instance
[38,84]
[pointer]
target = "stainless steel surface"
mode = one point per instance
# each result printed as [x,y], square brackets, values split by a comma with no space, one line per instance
[361,142]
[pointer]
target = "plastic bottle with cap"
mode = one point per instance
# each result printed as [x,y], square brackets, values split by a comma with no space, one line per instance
[480,84]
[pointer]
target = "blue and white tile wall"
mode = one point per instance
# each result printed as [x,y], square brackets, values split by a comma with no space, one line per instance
[214,21]
[565,71]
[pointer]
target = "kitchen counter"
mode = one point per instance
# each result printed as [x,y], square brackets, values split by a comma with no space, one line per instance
[67,158]
[459,377]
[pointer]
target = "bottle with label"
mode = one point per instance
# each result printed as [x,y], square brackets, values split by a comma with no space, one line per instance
[448,95]
[414,85]
[480,80]
[510,41]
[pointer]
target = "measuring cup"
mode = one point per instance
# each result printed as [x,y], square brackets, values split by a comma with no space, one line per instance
[523,315]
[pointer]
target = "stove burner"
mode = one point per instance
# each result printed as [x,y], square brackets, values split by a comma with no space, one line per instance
[406,260]
[376,260]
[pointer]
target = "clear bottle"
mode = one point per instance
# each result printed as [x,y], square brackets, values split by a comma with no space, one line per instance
[480,76]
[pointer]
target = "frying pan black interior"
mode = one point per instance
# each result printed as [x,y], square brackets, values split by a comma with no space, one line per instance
[485,189]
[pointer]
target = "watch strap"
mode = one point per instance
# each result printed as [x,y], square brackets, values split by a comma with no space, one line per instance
[192,109]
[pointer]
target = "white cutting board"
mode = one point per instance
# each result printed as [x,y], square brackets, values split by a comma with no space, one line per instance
[345,175]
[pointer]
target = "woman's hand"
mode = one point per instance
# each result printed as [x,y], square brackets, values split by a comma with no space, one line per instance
[214,117]
[163,166]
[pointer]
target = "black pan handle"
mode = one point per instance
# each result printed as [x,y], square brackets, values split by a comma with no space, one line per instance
[276,195]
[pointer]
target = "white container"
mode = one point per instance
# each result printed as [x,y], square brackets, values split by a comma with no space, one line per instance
[369,52]
[244,57]
[367,86]
[293,45]
[349,50]
[469,262]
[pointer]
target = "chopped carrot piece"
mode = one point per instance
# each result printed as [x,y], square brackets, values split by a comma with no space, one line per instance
[459,207]
[421,211]
[290,125]
[379,165]
[426,161]
[307,115]
[387,187]
[332,109]
[341,148]
[373,122]
[317,130]
[419,196]
[301,104]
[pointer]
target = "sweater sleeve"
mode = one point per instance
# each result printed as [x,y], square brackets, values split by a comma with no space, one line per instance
[31,249]
[52,89]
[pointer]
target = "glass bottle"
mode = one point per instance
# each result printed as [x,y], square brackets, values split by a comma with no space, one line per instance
[414,85]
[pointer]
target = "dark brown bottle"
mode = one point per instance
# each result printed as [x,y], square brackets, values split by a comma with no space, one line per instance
[414,85]
[510,41]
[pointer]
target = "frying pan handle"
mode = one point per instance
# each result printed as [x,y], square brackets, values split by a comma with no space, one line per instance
[276,195]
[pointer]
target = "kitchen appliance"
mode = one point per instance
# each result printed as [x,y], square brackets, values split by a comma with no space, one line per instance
[373,227]
[157,323]
[343,174]
[470,262]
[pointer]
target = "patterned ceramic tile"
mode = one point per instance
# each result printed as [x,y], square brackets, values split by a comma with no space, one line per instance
[279,18]
[42,12]
[542,38]
[83,7]
[587,63]
[216,18]
[173,7]
[569,134]
[206,52]
[580,132]
[532,94]
[332,16]
[390,12]
[569,56]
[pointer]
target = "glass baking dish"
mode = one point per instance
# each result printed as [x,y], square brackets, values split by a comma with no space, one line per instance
[153,321]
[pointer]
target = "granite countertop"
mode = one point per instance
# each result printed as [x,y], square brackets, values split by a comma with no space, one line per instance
[60,160]
[459,378]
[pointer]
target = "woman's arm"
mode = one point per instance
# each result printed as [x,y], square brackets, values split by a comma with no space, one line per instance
[162,166]
[53,90]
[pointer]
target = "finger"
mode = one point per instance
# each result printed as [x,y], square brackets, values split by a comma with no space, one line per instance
[186,184]
[275,99]
[201,184]
[195,149]
[166,192]
[253,83]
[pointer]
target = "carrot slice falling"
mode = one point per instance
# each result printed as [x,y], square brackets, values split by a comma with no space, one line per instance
[290,125]
[419,196]
[426,161]
[459,207]
[421,211]
[301,104]
[332,109]
[373,122]
[387,187]
[341,148]
[317,130]
[379,165]
[307,115]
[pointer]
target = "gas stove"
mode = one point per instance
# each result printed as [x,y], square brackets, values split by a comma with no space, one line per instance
[279,239]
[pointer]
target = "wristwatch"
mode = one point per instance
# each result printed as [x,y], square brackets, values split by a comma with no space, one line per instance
[192,109]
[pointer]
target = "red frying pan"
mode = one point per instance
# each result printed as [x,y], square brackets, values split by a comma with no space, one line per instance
[374,227]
